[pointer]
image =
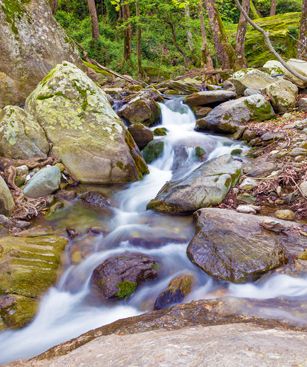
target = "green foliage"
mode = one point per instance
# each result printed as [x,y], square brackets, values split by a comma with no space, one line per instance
[125,289]
[283,6]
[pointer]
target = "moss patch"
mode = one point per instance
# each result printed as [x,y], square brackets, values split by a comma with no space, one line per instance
[14,10]
[125,288]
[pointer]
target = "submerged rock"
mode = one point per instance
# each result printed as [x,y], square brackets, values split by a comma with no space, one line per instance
[28,267]
[153,151]
[231,116]
[141,134]
[120,275]
[31,44]
[207,185]
[95,199]
[87,135]
[237,247]
[21,137]
[7,203]
[141,109]
[176,291]
[44,182]
[209,97]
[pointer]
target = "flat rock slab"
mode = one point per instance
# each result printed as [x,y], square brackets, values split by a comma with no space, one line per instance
[241,247]
[222,345]
[209,97]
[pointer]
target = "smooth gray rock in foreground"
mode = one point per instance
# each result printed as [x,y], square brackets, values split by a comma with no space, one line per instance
[205,186]
[238,345]
[43,183]
[241,247]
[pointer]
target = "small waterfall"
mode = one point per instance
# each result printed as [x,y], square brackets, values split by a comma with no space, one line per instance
[67,309]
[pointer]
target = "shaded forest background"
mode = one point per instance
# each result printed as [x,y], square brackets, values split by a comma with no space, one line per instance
[169,32]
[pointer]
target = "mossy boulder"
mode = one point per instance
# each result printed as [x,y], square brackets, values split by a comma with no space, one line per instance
[7,203]
[283,95]
[231,117]
[28,267]
[176,291]
[31,44]
[180,87]
[160,131]
[239,247]
[119,276]
[206,98]
[21,137]
[87,135]
[206,186]
[153,150]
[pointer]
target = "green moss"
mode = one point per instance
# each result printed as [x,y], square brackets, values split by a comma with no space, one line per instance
[13,10]
[48,76]
[153,151]
[260,113]
[125,288]
[200,152]
[160,131]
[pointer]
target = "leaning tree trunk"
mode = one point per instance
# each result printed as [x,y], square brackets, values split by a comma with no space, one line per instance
[273,7]
[302,42]
[254,11]
[94,19]
[205,54]
[127,32]
[54,6]
[187,61]
[189,33]
[224,50]
[138,39]
[240,38]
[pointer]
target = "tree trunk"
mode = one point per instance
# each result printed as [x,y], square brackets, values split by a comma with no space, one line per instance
[240,38]
[94,19]
[273,7]
[138,39]
[254,11]
[205,54]
[180,50]
[189,33]
[54,6]
[224,50]
[127,32]
[302,42]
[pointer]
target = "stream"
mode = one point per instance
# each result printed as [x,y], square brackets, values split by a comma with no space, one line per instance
[69,309]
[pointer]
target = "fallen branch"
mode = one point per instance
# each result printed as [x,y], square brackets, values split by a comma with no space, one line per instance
[268,42]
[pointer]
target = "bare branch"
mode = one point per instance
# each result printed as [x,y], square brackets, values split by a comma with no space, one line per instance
[268,42]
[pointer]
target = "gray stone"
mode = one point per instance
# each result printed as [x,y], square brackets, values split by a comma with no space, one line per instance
[209,97]
[44,182]
[21,137]
[7,203]
[302,104]
[87,135]
[282,94]
[205,186]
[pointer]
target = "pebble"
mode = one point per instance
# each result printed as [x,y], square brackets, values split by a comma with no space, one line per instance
[248,184]
[248,209]
[286,214]
[303,188]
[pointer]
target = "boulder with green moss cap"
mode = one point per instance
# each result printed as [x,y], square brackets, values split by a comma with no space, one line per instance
[87,135]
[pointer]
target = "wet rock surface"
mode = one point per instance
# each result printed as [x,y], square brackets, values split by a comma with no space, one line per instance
[119,276]
[141,134]
[207,185]
[209,97]
[241,247]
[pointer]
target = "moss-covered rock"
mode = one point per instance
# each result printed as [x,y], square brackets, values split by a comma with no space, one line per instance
[87,135]
[141,134]
[28,267]
[7,203]
[153,151]
[205,186]
[23,63]
[160,131]
[283,95]
[21,137]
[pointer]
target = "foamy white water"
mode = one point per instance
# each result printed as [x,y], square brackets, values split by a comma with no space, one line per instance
[66,312]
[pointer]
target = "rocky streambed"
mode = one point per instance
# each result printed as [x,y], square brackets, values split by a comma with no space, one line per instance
[169,210]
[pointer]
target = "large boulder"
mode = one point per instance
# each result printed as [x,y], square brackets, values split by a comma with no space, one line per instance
[21,137]
[207,185]
[120,275]
[253,79]
[7,203]
[31,43]
[141,134]
[44,182]
[230,117]
[209,97]
[141,109]
[28,267]
[87,135]
[300,66]
[282,94]
[241,247]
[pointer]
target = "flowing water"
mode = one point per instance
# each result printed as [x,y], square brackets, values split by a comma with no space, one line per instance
[69,309]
